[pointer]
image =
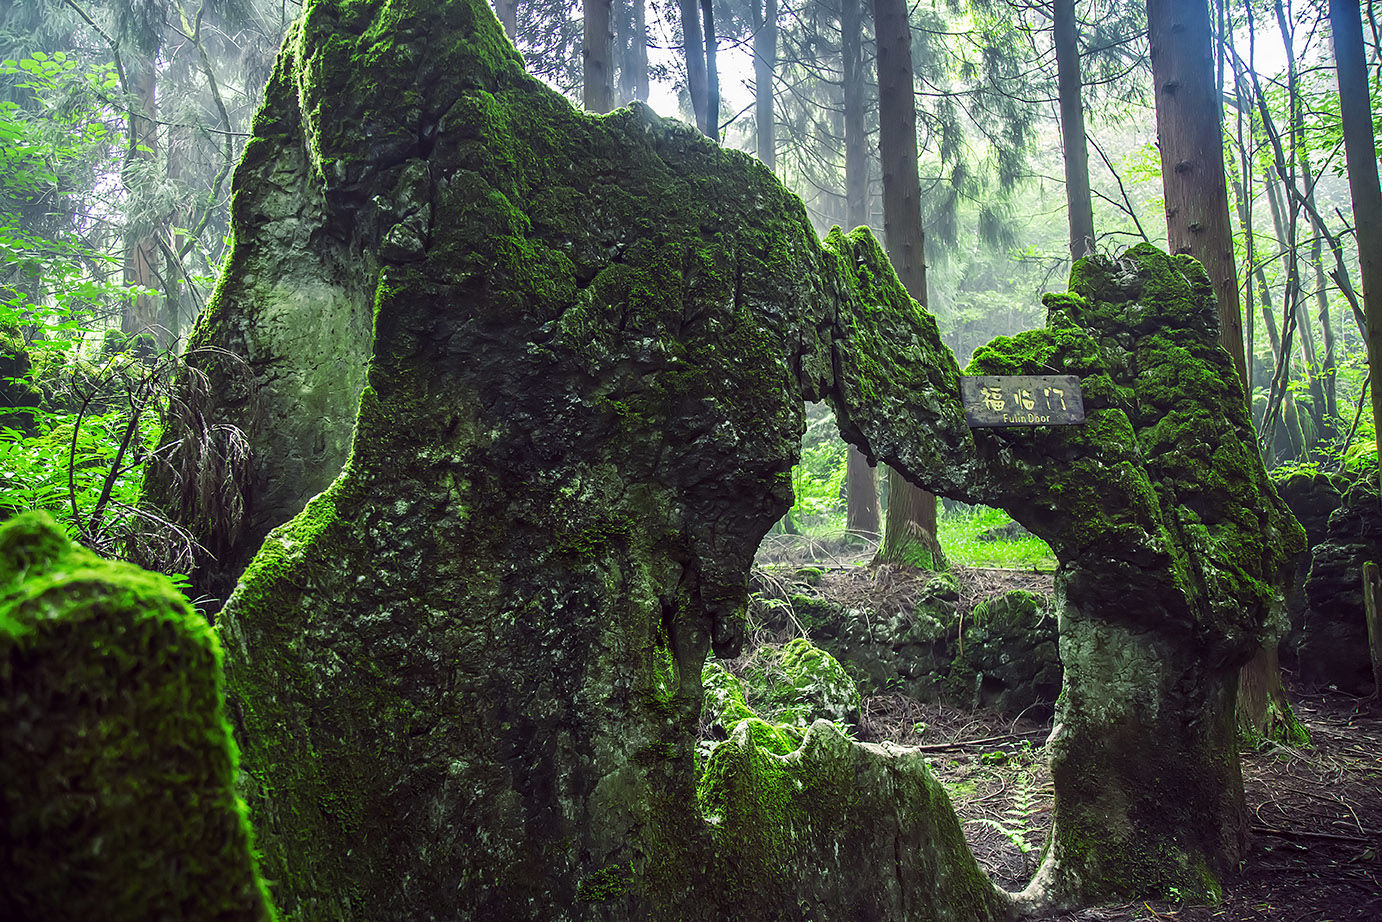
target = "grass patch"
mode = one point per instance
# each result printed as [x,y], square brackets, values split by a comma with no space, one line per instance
[959,531]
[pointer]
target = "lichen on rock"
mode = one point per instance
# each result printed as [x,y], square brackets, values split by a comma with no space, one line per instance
[118,776]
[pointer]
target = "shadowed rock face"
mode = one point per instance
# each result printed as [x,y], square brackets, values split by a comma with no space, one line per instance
[466,676]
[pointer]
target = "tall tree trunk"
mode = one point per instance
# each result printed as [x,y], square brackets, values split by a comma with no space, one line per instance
[856,135]
[597,56]
[909,534]
[862,513]
[1319,371]
[712,73]
[507,11]
[1287,225]
[141,313]
[1361,155]
[1190,135]
[764,67]
[1077,196]
[631,37]
[693,48]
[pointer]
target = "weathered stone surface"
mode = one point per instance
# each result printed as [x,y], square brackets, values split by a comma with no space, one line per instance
[1003,655]
[888,846]
[796,683]
[1312,498]
[1009,659]
[117,783]
[18,395]
[1334,638]
[467,675]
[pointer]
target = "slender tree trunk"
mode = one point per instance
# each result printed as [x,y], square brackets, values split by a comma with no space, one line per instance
[1190,135]
[141,313]
[1286,230]
[597,56]
[862,513]
[909,534]
[1361,155]
[856,135]
[764,67]
[1077,196]
[631,40]
[641,88]
[693,47]
[712,73]
[507,11]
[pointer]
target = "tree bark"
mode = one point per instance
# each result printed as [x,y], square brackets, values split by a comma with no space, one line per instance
[862,513]
[909,533]
[1077,195]
[856,136]
[1361,155]
[597,57]
[631,39]
[764,67]
[1190,135]
[711,128]
[141,313]
[507,11]
[693,48]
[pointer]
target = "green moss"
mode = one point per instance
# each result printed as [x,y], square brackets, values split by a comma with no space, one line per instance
[119,769]
[606,884]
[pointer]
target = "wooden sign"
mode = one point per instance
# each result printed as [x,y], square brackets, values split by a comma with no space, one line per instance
[1022,400]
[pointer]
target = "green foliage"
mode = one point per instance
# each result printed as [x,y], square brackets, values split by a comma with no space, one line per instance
[818,481]
[79,408]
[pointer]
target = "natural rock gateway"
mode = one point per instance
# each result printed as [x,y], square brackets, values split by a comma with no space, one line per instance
[466,676]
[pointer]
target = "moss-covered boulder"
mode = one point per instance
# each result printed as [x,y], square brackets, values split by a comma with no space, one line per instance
[796,684]
[1312,496]
[1333,646]
[118,774]
[1002,655]
[19,396]
[467,675]
[1007,656]
[1173,552]
[888,846]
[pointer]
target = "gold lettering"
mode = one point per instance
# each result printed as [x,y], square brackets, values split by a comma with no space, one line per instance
[1025,398]
[1058,394]
[994,399]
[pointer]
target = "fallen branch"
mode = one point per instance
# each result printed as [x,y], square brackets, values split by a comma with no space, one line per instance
[1306,834]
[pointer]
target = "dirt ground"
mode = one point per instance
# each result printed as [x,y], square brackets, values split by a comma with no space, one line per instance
[1315,812]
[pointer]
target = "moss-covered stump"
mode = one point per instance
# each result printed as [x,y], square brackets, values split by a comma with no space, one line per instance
[468,674]
[117,774]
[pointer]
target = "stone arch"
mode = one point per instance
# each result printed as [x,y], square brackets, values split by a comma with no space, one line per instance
[465,676]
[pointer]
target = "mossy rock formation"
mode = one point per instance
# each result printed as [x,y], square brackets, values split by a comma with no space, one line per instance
[118,775]
[467,675]
[1334,640]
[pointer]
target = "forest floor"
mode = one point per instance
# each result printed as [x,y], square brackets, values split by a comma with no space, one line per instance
[1315,812]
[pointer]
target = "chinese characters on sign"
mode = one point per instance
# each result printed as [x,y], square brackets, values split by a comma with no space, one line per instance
[1022,400]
